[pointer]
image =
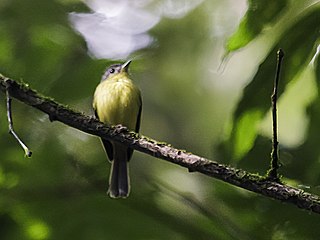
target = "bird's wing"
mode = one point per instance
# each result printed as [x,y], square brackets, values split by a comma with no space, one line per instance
[106,144]
[139,118]
[130,150]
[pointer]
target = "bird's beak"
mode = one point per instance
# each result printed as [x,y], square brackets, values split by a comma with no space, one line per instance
[125,66]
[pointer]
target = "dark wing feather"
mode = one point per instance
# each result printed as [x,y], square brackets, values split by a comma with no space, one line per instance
[106,144]
[108,148]
[130,150]
[139,117]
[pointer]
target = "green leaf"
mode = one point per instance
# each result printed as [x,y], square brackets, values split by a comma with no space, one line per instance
[245,134]
[260,13]
[299,45]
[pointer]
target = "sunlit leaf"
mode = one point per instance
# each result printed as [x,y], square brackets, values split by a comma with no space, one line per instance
[260,13]
[245,134]
[307,156]
[298,44]
[292,117]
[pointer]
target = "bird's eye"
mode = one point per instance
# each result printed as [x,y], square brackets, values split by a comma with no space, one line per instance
[111,70]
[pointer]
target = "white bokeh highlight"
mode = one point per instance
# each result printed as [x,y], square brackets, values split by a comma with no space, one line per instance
[116,29]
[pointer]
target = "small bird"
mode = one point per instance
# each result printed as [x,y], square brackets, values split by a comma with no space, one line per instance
[118,101]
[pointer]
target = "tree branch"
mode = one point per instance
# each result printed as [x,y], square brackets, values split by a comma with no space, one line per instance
[194,163]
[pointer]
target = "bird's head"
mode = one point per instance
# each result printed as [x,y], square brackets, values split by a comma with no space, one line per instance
[116,69]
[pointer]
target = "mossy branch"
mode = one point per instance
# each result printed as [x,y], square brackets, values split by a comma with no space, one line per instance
[194,163]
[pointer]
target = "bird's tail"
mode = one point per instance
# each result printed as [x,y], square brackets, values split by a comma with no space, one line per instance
[119,186]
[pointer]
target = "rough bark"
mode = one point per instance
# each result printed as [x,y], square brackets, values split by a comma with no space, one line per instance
[194,163]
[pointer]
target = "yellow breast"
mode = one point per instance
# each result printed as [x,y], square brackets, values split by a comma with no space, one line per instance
[117,101]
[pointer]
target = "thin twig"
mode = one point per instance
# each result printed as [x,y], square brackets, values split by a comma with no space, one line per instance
[27,151]
[273,172]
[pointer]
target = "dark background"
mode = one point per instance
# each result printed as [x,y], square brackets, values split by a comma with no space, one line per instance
[206,82]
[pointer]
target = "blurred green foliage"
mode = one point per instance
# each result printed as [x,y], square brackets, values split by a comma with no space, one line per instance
[59,193]
[260,14]
[299,50]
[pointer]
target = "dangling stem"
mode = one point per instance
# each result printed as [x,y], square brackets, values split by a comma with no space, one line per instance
[27,152]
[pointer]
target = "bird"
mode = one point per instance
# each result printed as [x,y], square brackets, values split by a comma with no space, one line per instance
[117,100]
